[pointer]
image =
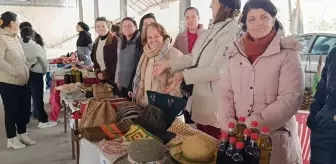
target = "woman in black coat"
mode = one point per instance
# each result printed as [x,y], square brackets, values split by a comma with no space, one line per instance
[84,43]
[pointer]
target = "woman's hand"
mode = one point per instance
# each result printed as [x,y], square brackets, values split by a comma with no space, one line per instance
[130,94]
[176,81]
[100,76]
[119,86]
[160,67]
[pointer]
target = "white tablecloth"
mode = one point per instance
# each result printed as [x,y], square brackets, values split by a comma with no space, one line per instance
[89,153]
[92,154]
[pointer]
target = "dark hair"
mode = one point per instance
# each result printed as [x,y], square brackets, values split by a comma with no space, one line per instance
[224,13]
[103,19]
[191,8]
[84,26]
[7,17]
[159,27]
[25,25]
[123,37]
[266,5]
[38,39]
[115,28]
[130,19]
[27,34]
[148,15]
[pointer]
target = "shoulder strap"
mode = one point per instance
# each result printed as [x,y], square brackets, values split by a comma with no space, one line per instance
[200,54]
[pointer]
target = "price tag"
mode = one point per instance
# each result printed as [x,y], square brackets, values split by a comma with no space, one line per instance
[103,159]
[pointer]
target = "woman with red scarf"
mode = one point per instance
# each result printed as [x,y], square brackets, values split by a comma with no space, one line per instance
[185,41]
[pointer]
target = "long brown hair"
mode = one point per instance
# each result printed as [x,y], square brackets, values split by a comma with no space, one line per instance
[225,13]
[163,32]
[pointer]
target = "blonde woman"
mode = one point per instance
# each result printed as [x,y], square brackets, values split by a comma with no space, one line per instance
[157,48]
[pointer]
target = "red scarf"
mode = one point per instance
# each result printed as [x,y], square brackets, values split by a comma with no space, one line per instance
[191,40]
[255,48]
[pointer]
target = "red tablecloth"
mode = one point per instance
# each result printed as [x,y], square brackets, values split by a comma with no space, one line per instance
[304,135]
[55,99]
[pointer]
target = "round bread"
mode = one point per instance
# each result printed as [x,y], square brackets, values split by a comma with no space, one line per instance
[198,149]
[146,150]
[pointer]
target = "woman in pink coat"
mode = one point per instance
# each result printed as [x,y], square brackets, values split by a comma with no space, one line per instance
[263,80]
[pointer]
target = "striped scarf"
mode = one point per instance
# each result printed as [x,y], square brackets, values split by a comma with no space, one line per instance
[139,78]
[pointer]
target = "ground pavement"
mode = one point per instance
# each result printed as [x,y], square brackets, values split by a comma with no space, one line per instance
[53,146]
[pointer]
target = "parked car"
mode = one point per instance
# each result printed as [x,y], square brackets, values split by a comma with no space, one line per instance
[315,45]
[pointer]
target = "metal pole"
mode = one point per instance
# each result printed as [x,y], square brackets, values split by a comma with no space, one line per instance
[184,4]
[96,8]
[80,8]
[290,14]
[123,9]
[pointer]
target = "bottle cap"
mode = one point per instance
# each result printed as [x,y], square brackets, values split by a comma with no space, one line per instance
[254,124]
[224,135]
[239,145]
[232,125]
[254,136]
[232,139]
[265,129]
[241,119]
[247,132]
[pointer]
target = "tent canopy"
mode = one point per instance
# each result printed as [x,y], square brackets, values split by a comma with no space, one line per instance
[141,6]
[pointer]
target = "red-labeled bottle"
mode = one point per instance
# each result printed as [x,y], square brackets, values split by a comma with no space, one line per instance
[232,129]
[222,148]
[265,146]
[247,134]
[254,127]
[252,152]
[240,128]
[230,151]
[238,157]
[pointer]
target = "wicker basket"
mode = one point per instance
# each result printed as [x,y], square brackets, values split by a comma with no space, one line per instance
[183,131]
[102,91]
[307,99]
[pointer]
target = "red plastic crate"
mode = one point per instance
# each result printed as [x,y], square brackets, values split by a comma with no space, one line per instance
[304,135]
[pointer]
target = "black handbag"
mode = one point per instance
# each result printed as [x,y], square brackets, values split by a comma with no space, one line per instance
[171,105]
[188,88]
[152,119]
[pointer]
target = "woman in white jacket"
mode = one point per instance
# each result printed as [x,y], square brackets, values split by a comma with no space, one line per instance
[14,74]
[204,65]
[37,63]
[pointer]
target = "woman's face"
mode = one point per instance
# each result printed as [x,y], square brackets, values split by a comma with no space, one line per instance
[128,28]
[259,23]
[154,38]
[147,21]
[14,26]
[215,5]
[192,19]
[101,28]
[79,28]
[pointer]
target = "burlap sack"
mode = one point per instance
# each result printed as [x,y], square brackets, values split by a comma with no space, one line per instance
[102,91]
[98,112]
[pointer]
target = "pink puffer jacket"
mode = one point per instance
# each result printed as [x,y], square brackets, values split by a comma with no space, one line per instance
[268,91]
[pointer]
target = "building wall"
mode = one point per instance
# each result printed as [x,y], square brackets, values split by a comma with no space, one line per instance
[53,23]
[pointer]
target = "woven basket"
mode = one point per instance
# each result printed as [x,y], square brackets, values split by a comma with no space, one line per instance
[307,99]
[183,131]
[102,91]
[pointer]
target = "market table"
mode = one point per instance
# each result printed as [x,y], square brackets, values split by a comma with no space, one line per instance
[69,108]
[55,99]
[91,153]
